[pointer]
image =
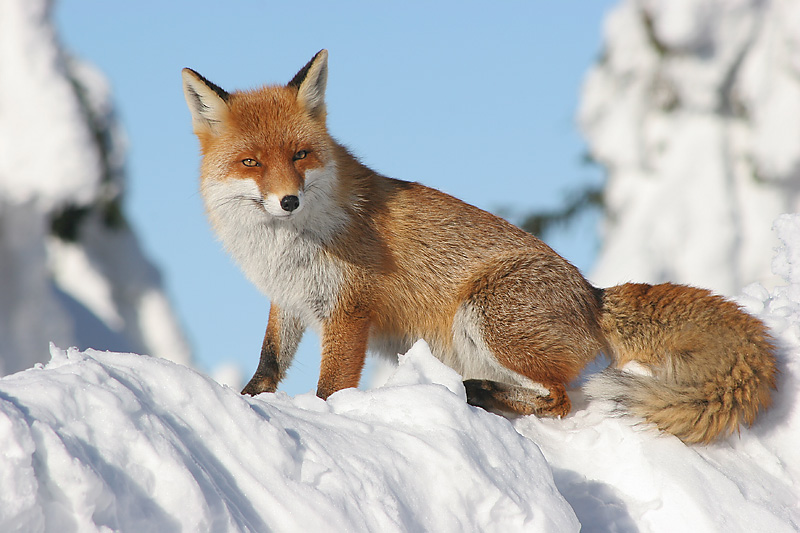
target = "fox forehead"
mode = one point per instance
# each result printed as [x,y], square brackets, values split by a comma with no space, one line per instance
[271,118]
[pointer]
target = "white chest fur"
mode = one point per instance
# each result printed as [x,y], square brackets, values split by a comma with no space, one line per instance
[284,257]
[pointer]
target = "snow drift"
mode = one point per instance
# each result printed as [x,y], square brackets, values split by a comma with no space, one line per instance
[98,441]
[133,443]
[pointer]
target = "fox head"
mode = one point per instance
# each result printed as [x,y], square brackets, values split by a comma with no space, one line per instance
[263,148]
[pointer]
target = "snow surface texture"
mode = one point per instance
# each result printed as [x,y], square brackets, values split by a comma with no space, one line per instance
[141,444]
[71,270]
[100,441]
[694,110]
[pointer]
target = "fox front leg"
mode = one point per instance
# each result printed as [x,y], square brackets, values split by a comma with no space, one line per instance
[277,351]
[344,348]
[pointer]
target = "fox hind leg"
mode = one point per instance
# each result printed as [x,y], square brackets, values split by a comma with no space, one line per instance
[527,327]
[502,383]
[497,396]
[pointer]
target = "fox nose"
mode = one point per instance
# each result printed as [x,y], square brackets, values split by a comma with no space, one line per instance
[290,202]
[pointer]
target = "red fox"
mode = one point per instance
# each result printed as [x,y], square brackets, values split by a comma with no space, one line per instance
[375,263]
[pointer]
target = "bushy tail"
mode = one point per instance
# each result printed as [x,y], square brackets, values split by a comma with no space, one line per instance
[707,365]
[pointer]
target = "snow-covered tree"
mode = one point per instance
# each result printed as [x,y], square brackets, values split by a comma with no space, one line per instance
[694,110]
[71,269]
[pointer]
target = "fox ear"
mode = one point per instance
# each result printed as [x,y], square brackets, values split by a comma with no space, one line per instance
[310,83]
[207,101]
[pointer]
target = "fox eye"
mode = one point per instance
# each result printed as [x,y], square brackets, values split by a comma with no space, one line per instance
[300,155]
[249,162]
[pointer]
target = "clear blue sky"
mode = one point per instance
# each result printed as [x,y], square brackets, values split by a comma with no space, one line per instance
[477,99]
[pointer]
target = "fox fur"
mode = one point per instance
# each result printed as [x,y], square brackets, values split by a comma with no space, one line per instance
[374,263]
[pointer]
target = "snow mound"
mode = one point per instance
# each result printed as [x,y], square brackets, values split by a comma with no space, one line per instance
[99,441]
[134,443]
